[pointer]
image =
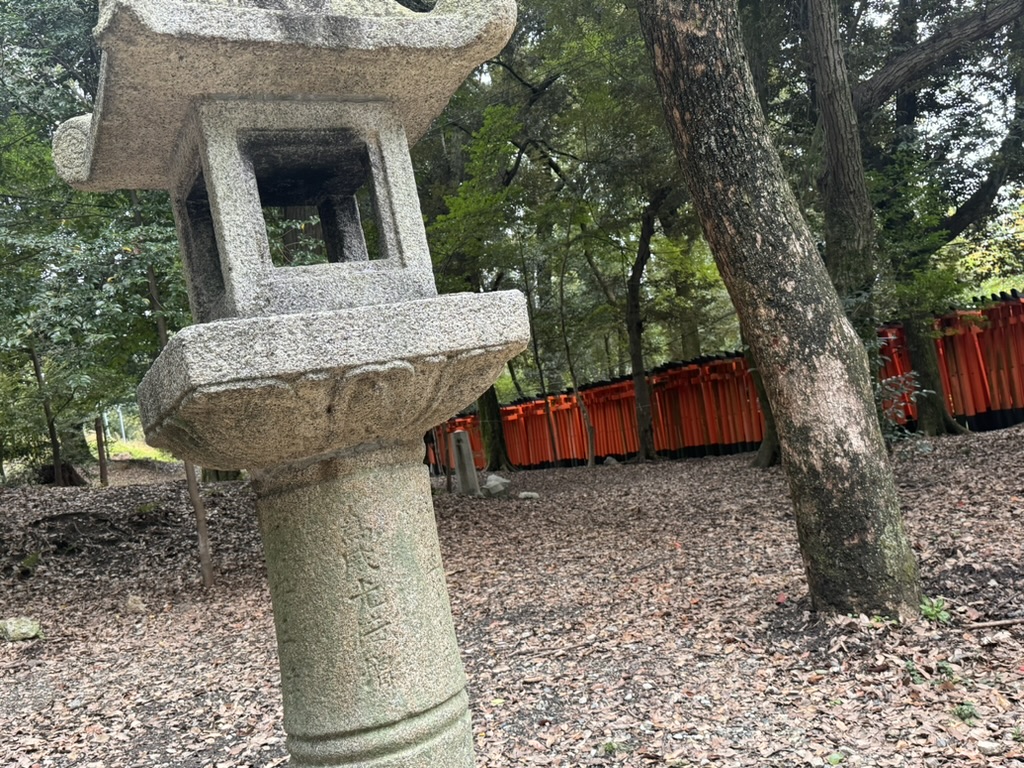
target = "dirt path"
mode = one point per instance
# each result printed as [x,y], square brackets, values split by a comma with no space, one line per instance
[632,616]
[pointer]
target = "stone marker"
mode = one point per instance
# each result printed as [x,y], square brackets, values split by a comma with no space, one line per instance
[320,380]
[460,447]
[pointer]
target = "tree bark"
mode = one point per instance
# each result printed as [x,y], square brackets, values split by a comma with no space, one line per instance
[101,450]
[540,368]
[588,424]
[768,453]
[208,475]
[156,305]
[849,217]
[202,532]
[73,445]
[205,561]
[493,434]
[51,425]
[515,379]
[855,552]
[687,345]
[635,330]
[933,417]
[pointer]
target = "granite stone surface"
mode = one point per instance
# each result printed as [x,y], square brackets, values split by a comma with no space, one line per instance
[370,668]
[256,392]
[236,156]
[161,56]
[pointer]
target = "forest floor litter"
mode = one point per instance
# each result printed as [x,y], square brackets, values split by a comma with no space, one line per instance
[632,615]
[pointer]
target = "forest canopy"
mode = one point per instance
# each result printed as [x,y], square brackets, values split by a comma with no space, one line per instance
[551,171]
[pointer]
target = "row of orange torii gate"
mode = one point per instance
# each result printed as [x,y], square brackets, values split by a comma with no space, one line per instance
[710,407]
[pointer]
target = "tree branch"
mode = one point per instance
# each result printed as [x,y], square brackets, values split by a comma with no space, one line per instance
[917,61]
[1007,162]
[609,296]
[536,91]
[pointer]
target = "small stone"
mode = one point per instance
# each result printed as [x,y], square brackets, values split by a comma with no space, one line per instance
[495,486]
[529,495]
[995,639]
[610,461]
[20,628]
[135,604]
[990,748]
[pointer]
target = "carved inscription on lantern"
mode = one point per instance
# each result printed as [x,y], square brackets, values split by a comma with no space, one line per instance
[374,605]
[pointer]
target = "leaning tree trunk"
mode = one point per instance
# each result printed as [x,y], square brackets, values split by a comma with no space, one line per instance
[855,552]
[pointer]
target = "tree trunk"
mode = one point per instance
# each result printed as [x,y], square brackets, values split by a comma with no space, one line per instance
[493,433]
[441,444]
[933,417]
[588,424]
[856,555]
[220,475]
[156,305]
[205,561]
[51,425]
[635,330]
[849,217]
[768,453]
[540,368]
[74,447]
[101,450]
[515,379]
[688,341]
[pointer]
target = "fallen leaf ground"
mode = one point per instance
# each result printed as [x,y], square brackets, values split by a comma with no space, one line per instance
[647,615]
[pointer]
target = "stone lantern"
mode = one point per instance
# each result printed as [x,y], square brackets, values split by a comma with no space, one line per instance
[320,380]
